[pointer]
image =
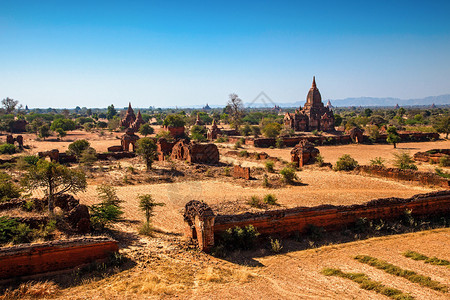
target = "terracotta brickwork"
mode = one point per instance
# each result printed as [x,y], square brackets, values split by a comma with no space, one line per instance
[31,259]
[241,172]
[431,155]
[304,153]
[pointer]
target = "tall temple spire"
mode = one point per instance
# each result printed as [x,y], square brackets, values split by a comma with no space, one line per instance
[129,107]
[314,82]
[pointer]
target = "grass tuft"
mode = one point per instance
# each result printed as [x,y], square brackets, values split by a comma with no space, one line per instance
[368,284]
[397,271]
[428,260]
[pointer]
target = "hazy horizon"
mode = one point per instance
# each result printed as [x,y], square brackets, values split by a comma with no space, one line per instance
[182,54]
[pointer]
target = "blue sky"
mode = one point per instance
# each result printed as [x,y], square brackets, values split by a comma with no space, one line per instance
[181,53]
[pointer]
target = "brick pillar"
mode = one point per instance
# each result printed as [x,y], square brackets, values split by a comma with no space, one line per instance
[205,232]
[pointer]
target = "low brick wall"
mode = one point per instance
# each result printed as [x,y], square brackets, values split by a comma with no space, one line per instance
[284,222]
[241,172]
[32,259]
[425,178]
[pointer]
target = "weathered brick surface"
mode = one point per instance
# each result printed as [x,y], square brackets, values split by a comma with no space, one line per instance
[426,178]
[241,172]
[31,259]
[434,155]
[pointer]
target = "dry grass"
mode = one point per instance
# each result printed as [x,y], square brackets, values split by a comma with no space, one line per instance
[32,290]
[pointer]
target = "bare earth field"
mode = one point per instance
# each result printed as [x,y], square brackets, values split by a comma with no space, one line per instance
[163,267]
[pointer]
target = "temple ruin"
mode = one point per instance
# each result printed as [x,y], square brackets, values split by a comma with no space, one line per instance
[130,120]
[304,153]
[313,116]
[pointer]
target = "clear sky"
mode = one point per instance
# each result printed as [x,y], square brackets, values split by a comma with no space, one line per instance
[181,53]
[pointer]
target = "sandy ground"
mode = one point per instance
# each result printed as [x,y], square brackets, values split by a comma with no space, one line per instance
[364,153]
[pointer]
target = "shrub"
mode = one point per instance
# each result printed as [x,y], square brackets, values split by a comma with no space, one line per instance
[255,201]
[270,199]
[319,160]
[238,145]
[442,173]
[7,229]
[103,214]
[315,132]
[444,161]
[275,246]
[7,149]
[271,130]
[289,175]
[279,143]
[198,133]
[222,139]
[22,234]
[240,238]
[226,171]
[31,159]
[246,130]
[266,182]
[8,190]
[404,161]
[146,229]
[146,129]
[78,146]
[65,124]
[345,163]
[88,156]
[269,166]
[243,153]
[377,161]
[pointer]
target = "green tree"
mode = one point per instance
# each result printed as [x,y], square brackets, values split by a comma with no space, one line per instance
[146,129]
[44,131]
[65,124]
[55,179]
[61,133]
[77,147]
[404,161]
[442,125]
[271,130]
[146,148]
[108,210]
[198,133]
[393,137]
[111,112]
[174,120]
[147,204]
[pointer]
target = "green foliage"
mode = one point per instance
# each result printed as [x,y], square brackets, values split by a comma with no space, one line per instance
[442,124]
[256,130]
[61,133]
[428,260]
[238,238]
[404,161]
[256,202]
[198,133]
[174,120]
[146,148]
[397,271]
[269,166]
[345,163]
[108,194]
[246,130]
[442,173]
[377,161]
[393,137]
[222,139]
[55,179]
[146,229]
[368,284]
[8,229]
[88,156]
[319,160]
[279,143]
[266,182]
[111,112]
[271,130]
[275,246]
[77,147]
[8,190]
[289,175]
[103,214]
[444,161]
[44,131]
[147,204]
[226,171]
[64,124]
[238,144]
[270,199]
[7,149]
[146,129]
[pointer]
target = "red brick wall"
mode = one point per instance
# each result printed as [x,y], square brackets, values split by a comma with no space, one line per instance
[30,259]
[285,222]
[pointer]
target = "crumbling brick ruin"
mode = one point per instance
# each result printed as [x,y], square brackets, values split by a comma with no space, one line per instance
[164,149]
[195,153]
[129,138]
[356,135]
[433,155]
[285,222]
[11,140]
[241,172]
[304,153]
[176,132]
[214,131]
[199,223]
[58,157]
[132,121]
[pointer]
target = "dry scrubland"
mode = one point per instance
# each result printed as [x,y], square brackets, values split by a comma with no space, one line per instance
[164,269]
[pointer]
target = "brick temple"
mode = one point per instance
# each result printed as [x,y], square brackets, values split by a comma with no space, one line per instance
[313,116]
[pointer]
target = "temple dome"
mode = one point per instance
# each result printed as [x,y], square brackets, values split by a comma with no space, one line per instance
[314,98]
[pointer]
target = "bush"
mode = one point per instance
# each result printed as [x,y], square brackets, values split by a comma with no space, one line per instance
[404,161]
[377,161]
[289,175]
[8,190]
[226,171]
[238,238]
[198,133]
[13,231]
[345,163]
[78,146]
[275,246]
[319,160]
[88,156]
[65,124]
[246,130]
[104,214]
[270,199]
[7,149]
[146,129]
[266,182]
[238,145]
[269,166]
[255,201]
[146,229]
[271,130]
[222,139]
[31,159]
[444,161]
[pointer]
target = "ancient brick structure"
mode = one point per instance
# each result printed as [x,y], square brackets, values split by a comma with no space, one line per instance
[241,172]
[164,148]
[313,116]
[176,132]
[199,224]
[195,153]
[129,118]
[425,178]
[40,258]
[129,138]
[115,149]
[304,153]
[356,135]
[55,156]
[11,140]
[285,222]
[433,155]
[214,131]
[198,121]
